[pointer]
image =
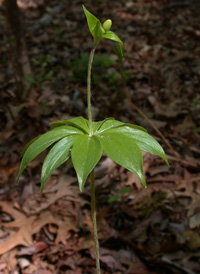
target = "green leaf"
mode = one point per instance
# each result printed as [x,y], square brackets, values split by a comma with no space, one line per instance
[56,157]
[27,145]
[141,138]
[123,150]
[30,80]
[111,123]
[45,141]
[92,21]
[113,198]
[78,122]
[49,74]
[98,31]
[108,124]
[124,190]
[86,152]
[117,52]
[96,125]
[112,36]
[135,127]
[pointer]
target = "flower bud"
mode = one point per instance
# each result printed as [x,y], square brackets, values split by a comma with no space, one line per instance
[107,25]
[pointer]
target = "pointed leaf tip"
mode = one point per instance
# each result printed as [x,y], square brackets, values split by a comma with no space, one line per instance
[43,142]
[56,157]
[141,138]
[91,20]
[112,36]
[123,151]
[98,30]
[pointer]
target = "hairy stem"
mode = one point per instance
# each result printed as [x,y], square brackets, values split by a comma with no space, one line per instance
[89,87]
[93,209]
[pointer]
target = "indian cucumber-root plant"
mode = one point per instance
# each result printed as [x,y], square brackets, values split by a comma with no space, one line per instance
[84,140]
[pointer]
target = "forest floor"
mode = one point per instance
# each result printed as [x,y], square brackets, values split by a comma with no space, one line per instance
[157,86]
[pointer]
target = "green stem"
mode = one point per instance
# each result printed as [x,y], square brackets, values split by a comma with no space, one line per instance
[89,87]
[93,209]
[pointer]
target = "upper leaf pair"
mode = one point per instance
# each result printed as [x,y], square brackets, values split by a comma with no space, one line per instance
[100,31]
